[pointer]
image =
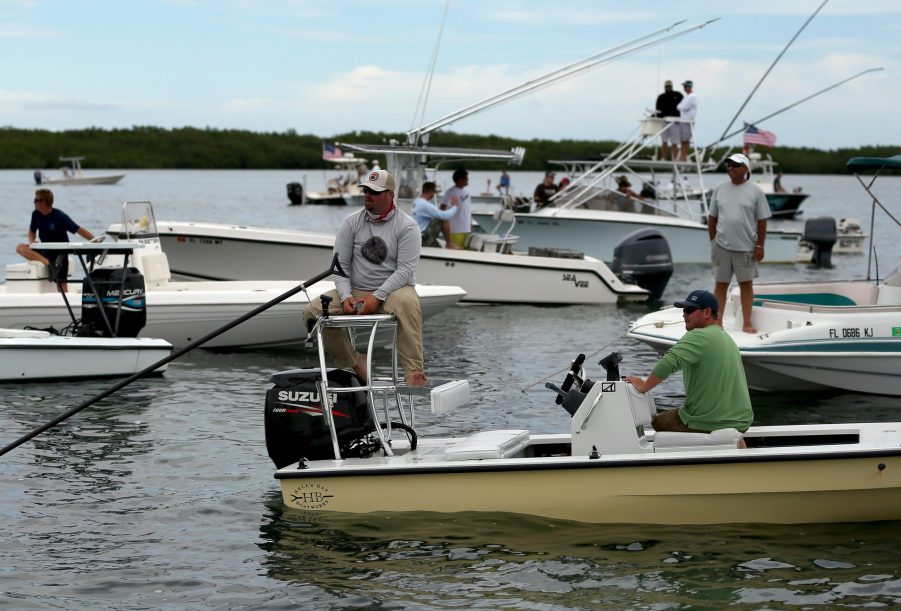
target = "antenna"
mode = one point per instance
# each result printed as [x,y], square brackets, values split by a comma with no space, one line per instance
[413,134]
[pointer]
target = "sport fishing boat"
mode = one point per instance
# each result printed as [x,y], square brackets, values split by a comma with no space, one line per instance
[72,174]
[489,271]
[179,312]
[835,335]
[347,454]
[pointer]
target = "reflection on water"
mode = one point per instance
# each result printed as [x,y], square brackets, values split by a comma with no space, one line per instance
[511,561]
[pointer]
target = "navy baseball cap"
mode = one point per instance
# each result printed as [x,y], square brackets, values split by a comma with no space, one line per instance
[699,299]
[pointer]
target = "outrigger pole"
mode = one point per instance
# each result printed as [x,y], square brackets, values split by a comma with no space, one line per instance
[768,70]
[790,106]
[423,99]
[569,70]
[334,268]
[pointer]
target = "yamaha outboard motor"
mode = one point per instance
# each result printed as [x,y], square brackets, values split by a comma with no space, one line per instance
[295,193]
[125,321]
[820,233]
[295,423]
[643,258]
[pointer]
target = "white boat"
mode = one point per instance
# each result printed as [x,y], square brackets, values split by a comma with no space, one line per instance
[343,190]
[783,204]
[182,312]
[591,216]
[220,252]
[30,355]
[606,465]
[836,335]
[72,174]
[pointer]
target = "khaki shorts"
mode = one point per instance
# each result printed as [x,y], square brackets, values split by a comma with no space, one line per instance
[670,421]
[727,263]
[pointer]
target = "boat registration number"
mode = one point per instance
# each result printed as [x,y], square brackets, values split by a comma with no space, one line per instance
[851,332]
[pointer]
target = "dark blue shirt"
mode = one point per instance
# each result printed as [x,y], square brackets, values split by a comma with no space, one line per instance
[52,227]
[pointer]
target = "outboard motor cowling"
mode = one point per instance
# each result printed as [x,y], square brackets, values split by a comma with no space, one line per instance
[821,234]
[295,424]
[126,321]
[643,257]
[295,193]
[38,177]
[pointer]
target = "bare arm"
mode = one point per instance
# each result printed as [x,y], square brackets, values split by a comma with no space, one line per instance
[87,235]
[643,386]
[761,239]
[32,238]
[711,227]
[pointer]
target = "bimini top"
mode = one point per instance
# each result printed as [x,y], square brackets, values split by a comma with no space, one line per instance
[857,164]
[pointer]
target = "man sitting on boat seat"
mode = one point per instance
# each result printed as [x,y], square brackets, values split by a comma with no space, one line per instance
[432,221]
[50,225]
[378,248]
[716,392]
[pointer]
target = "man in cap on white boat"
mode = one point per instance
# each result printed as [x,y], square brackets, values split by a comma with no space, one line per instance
[688,110]
[433,221]
[668,106]
[378,248]
[736,222]
[716,391]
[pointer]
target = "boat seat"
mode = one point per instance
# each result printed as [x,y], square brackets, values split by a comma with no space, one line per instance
[33,270]
[488,444]
[23,333]
[669,441]
[155,267]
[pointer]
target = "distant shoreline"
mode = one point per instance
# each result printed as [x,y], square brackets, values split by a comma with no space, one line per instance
[187,148]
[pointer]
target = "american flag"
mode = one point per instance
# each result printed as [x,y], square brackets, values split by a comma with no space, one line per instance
[330,151]
[759,136]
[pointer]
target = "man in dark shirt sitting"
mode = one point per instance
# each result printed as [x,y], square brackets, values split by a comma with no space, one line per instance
[50,225]
[545,191]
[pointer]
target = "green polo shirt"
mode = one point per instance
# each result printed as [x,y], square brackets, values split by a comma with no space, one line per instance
[716,392]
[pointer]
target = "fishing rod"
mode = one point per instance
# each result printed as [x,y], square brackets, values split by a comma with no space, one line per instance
[768,70]
[569,70]
[427,83]
[334,268]
[790,106]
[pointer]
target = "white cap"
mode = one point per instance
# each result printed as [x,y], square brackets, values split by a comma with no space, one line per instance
[740,160]
[378,180]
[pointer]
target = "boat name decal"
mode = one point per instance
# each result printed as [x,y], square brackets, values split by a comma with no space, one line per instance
[580,284]
[310,496]
[852,332]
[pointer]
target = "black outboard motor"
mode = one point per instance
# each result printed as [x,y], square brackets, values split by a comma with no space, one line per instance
[38,177]
[295,424]
[131,317]
[295,193]
[643,258]
[820,233]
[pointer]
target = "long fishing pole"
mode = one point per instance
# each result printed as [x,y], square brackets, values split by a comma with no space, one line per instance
[334,268]
[790,106]
[768,70]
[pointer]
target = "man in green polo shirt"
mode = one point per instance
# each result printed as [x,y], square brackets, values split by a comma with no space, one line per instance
[716,392]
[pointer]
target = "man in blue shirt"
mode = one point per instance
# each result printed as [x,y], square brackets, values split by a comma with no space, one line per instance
[50,225]
[432,221]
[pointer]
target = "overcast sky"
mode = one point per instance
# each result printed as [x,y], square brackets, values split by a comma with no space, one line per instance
[331,66]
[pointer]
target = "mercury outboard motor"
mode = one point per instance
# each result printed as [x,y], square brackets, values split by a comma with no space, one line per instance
[125,321]
[643,258]
[295,193]
[820,233]
[295,424]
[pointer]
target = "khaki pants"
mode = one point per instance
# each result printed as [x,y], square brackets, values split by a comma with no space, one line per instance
[670,421]
[402,303]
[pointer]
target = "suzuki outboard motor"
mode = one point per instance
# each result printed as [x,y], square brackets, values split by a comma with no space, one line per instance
[131,317]
[295,423]
[643,258]
[295,193]
[820,233]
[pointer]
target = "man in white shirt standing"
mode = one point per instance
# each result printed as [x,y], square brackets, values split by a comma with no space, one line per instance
[688,110]
[737,228]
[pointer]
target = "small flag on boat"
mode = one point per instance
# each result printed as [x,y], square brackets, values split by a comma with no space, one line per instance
[762,137]
[330,151]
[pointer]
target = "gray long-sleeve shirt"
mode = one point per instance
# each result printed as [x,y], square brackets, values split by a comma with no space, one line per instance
[403,240]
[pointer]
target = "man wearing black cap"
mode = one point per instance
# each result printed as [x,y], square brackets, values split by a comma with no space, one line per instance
[545,190]
[461,222]
[668,106]
[716,391]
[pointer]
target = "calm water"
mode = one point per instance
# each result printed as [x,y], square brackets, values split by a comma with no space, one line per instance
[162,496]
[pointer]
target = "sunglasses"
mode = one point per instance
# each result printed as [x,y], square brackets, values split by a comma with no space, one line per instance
[38,200]
[372,191]
[687,311]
